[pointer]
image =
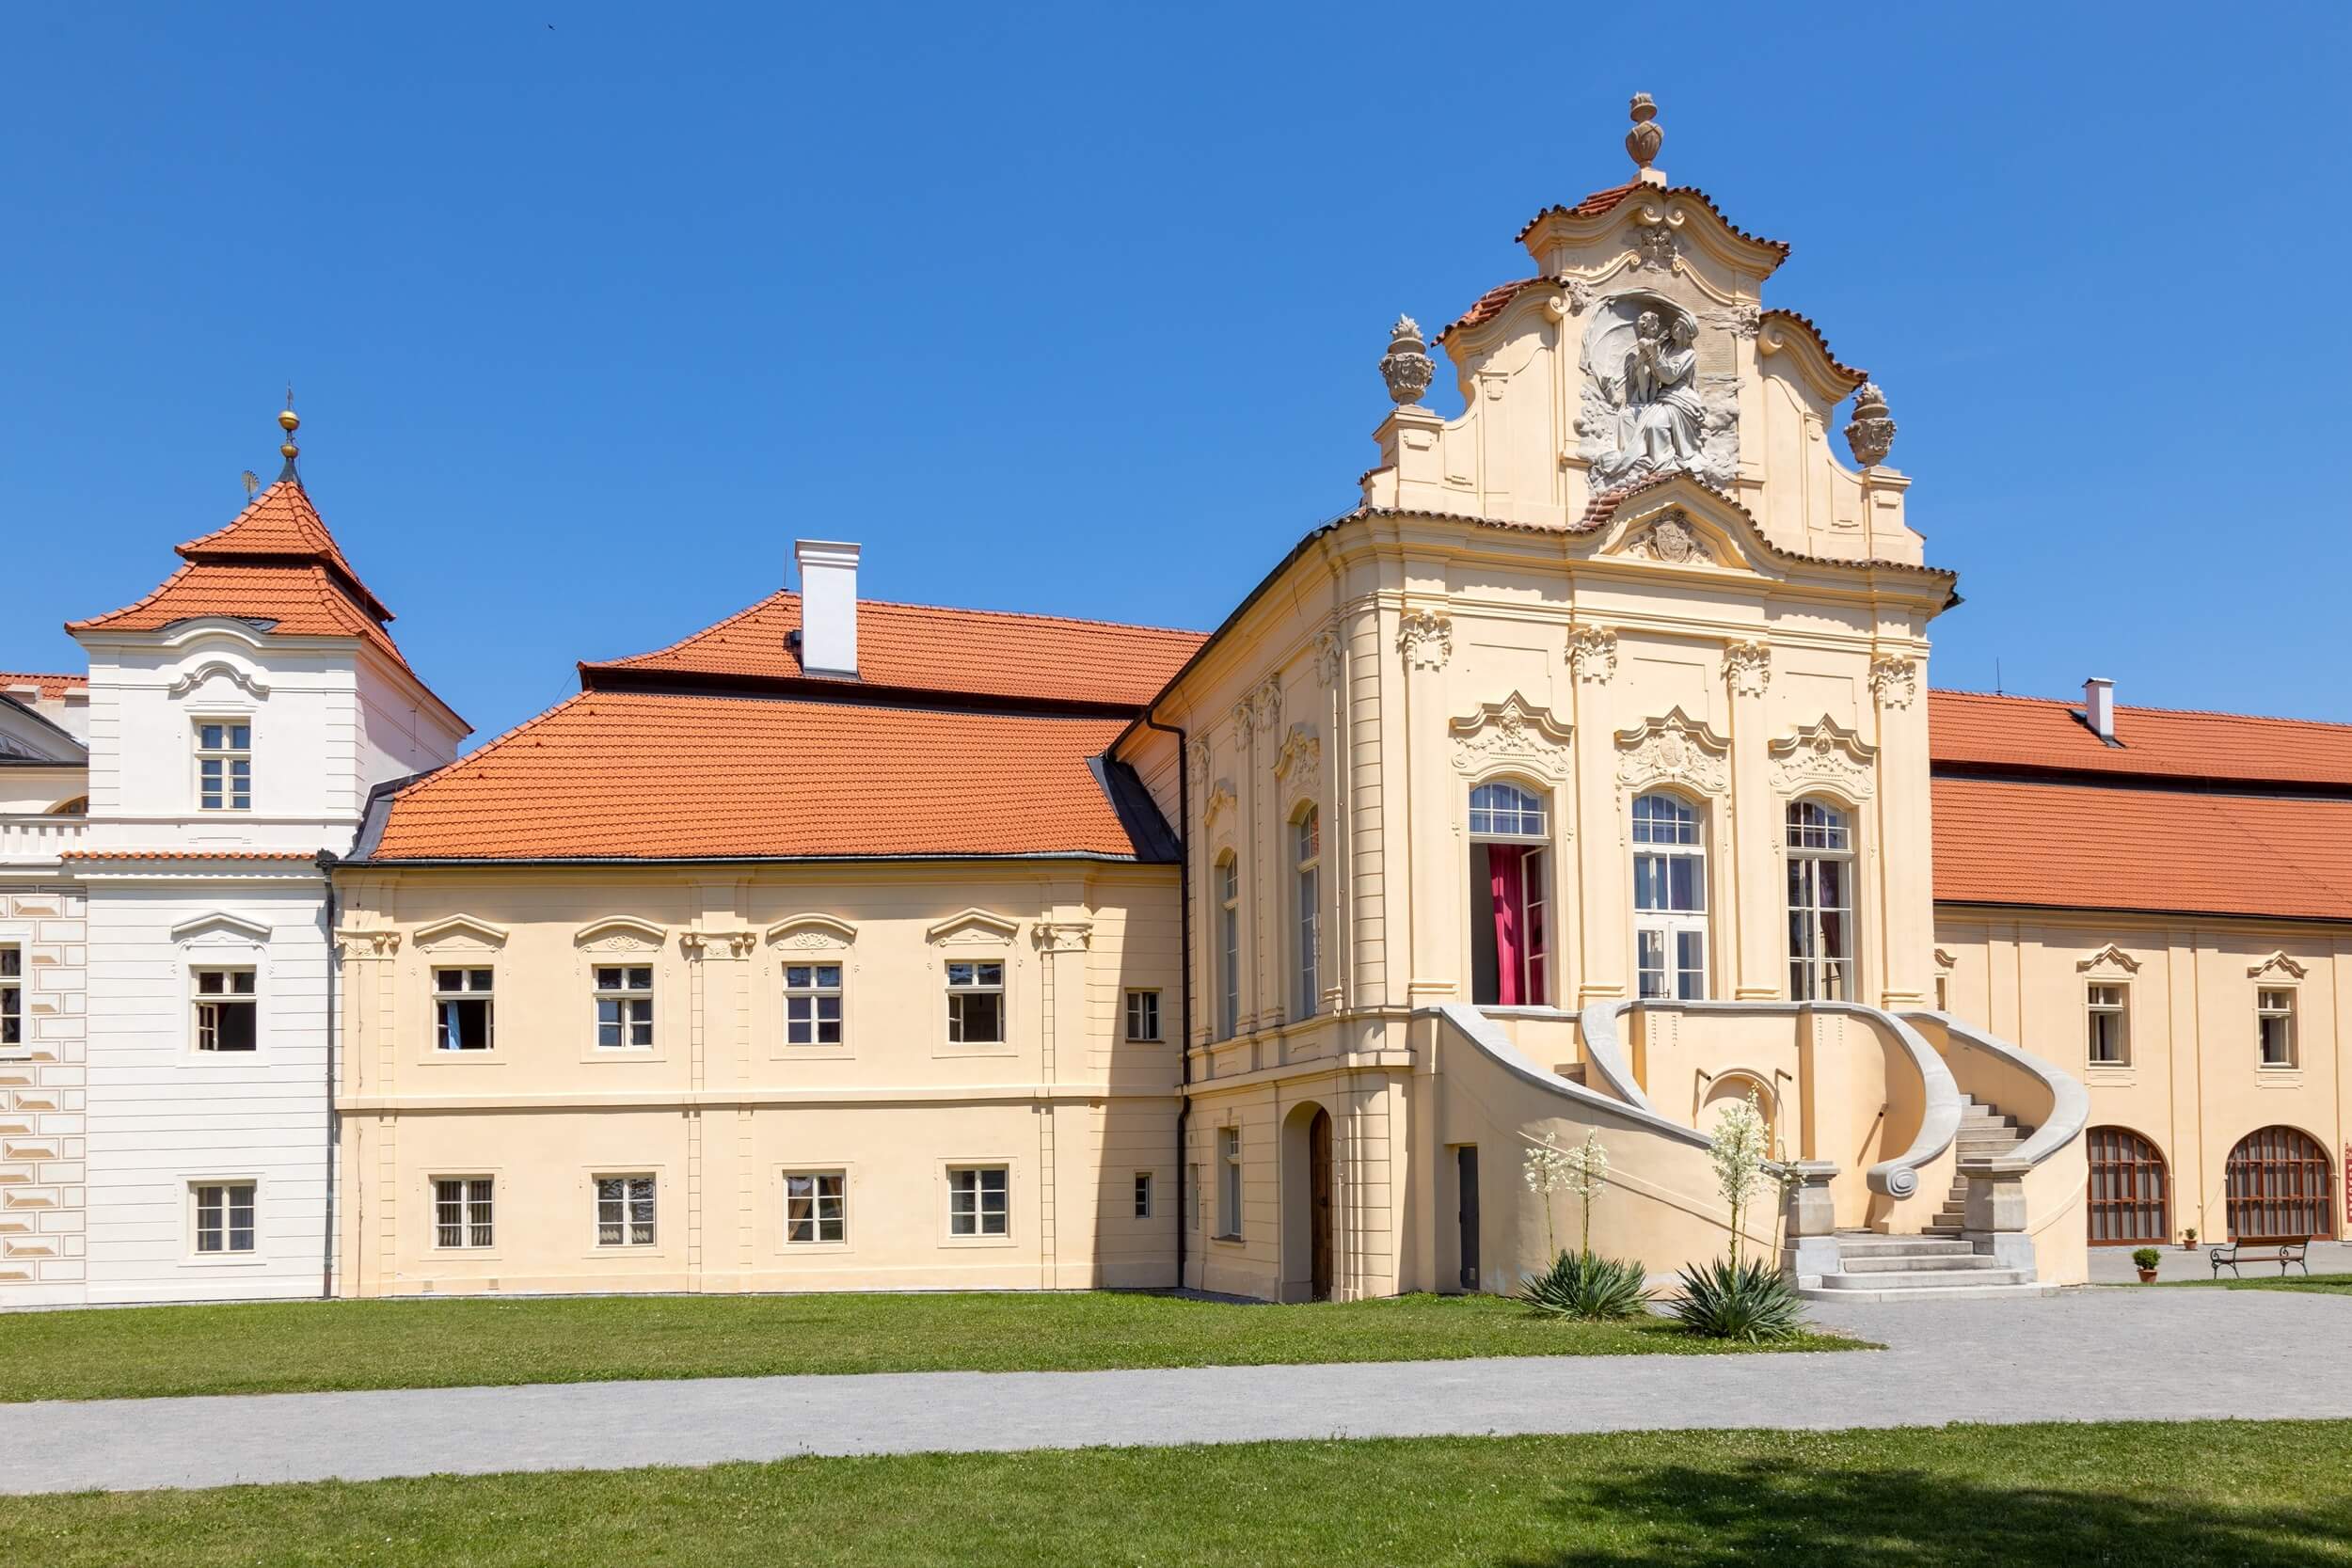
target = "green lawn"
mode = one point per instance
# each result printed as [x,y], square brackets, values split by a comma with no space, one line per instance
[281,1346]
[2319,1284]
[2273,1494]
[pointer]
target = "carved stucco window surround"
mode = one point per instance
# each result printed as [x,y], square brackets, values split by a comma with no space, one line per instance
[224,963]
[977,974]
[806,984]
[1827,757]
[2107,1009]
[2278,1018]
[1512,737]
[459,953]
[1677,750]
[622,980]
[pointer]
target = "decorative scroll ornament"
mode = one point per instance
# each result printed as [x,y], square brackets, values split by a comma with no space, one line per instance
[1299,762]
[1895,679]
[1063,936]
[2279,962]
[1406,367]
[1327,657]
[1266,704]
[1677,750]
[1592,652]
[1748,668]
[1944,961]
[1671,539]
[367,944]
[1576,296]
[1512,731]
[2111,955]
[1654,246]
[1425,638]
[699,945]
[1221,800]
[1824,754]
[1872,433]
[1197,762]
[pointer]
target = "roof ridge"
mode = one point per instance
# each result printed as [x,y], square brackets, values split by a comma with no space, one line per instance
[748,611]
[2145,707]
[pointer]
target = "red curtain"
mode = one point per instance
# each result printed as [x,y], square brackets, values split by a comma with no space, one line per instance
[1506,868]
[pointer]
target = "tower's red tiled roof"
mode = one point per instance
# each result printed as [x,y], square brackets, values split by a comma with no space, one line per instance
[647,775]
[986,654]
[52,687]
[280,524]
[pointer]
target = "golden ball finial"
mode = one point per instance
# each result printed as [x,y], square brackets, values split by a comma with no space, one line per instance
[286,421]
[291,452]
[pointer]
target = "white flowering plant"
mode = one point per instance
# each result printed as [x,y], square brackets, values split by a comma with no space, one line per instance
[1740,1149]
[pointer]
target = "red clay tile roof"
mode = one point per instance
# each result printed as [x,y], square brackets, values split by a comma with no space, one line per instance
[1601,202]
[1971,731]
[189,855]
[926,648]
[52,687]
[2000,841]
[281,524]
[1851,376]
[645,775]
[1491,304]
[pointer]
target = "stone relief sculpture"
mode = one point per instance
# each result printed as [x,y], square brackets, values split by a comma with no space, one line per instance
[1644,409]
[1592,652]
[1425,638]
[1670,539]
[1512,731]
[1675,748]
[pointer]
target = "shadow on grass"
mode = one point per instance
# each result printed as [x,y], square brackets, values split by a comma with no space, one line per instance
[1766,1512]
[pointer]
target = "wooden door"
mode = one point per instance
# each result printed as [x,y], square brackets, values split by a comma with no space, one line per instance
[1319,1183]
[1466,1182]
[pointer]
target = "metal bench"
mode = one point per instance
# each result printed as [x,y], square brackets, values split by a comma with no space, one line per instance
[2282,1250]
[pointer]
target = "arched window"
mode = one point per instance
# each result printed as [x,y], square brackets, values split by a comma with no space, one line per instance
[1669,898]
[1510,881]
[2129,1195]
[1307,913]
[2278,1186]
[78,806]
[1227,948]
[1821,903]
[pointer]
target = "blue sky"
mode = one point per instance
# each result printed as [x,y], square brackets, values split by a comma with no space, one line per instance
[591,310]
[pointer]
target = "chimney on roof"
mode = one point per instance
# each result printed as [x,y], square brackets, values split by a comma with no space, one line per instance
[2099,708]
[828,606]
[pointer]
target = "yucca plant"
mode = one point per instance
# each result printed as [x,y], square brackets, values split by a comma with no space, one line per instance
[1751,1301]
[1588,1286]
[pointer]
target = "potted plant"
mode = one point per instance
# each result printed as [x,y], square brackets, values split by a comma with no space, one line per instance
[2146,1259]
[2189,1240]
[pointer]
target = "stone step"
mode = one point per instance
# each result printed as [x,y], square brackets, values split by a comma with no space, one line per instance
[1925,1279]
[1901,1246]
[1853,1294]
[1964,1260]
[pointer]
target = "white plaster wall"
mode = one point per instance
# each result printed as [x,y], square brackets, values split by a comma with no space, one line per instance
[42,1187]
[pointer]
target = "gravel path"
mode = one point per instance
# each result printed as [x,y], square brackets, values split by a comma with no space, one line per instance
[2100,1354]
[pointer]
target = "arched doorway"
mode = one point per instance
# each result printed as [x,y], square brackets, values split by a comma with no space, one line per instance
[1732,1087]
[2279,1185]
[2130,1199]
[1306,1204]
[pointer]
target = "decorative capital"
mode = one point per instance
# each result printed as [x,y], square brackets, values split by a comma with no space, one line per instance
[1197,761]
[1511,731]
[1748,668]
[1825,754]
[1328,657]
[1677,750]
[698,945]
[1895,679]
[367,944]
[1592,652]
[1406,367]
[1063,936]
[1425,638]
[1872,433]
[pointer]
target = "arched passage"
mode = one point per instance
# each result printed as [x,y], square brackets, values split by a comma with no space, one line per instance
[2277,1184]
[1307,1203]
[2130,1197]
[1733,1086]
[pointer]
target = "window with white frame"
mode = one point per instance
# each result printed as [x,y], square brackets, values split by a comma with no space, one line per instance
[625,1006]
[815,1208]
[224,1217]
[976,1003]
[1143,1017]
[625,1211]
[1821,903]
[224,764]
[1669,898]
[1227,948]
[2108,1017]
[462,1015]
[2274,1025]
[1307,898]
[461,1211]
[812,1003]
[226,1010]
[11,993]
[1143,1195]
[1229,1183]
[980,1201]
[1510,882]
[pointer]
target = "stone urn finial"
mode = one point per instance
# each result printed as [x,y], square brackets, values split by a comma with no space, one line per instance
[1871,432]
[1646,136]
[1406,367]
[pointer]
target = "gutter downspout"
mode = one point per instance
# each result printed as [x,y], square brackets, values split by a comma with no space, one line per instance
[334,1117]
[1184,968]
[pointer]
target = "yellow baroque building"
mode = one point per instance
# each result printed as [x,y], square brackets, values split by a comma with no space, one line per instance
[1583,778]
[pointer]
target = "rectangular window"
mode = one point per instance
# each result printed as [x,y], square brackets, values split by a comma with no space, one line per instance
[815,1208]
[624,1008]
[2274,1021]
[1821,904]
[1229,950]
[812,1003]
[224,766]
[1143,1016]
[1143,1195]
[625,1211]
[224,1217]
[462,1018]
[461,1211]
[225,1009]
[2110,1025]
[1308,978]
[976,1003]
[978,1201]
[12,993]
[1229,1183]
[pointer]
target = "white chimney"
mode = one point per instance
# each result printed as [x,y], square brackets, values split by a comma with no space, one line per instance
[828,606]
[2099,708]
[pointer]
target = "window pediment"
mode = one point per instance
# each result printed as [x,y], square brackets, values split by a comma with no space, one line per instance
[811,932]
[460,932]
[974,927]
[2276,966]
[1512,733]
[218,929]
[1824,754]
[2110,958]
[227,670]
[619,934]
[1677,750]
